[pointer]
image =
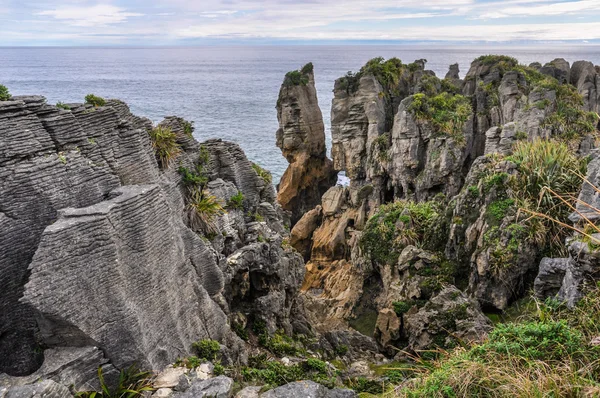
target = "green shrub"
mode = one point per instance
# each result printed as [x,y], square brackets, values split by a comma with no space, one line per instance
[236,201]
[497,210]
[447,113]
[402,223]
[298,77]
[61,105]
[131,384]
[94,100]
[532,340]
[262,173]
[164,143]
[207,349]
[218,369]
[4,94]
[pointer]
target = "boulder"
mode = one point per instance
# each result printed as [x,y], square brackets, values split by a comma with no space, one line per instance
[307,389]
[217,387]
[445,320]
[550,277]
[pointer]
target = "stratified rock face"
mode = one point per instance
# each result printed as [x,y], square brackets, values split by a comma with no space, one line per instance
[357,119]
[301,138]
[97,249]
[96,257]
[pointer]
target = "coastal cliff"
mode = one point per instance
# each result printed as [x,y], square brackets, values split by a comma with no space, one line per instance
[127,245]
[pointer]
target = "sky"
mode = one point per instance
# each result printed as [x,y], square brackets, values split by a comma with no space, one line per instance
[181,22]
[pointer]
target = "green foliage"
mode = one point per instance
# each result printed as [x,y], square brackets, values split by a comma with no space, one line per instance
[307,69]
[262,173]
[273,373]
[192,178]
[164,143]
[188,128]
[546,166]
[364,385]
[402,223]
[497,210]
[202,209]
[402,307]
[281,344]
[341,350]
[387,73]
[131,384]
[218,369]
[532,340]
[4,93]
[430,85]
[350,83]
[381,146]
[191,362]
[207,349]
[94,100]
[61,105]
[497,59]
[546,354]
[236,201]
[240,331]
[298,77]
[447,113]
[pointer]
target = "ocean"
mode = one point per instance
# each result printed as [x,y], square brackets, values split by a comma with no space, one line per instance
[229,92]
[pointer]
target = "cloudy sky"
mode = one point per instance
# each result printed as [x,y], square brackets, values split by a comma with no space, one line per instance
[131,22]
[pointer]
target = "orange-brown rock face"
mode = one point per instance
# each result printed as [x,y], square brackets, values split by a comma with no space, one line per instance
[301,138]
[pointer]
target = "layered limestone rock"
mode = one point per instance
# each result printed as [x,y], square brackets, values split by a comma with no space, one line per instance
[301,138]
[100,249]
[394,138]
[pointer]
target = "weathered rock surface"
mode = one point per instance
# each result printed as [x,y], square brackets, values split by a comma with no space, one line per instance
[217,387]
[99,251]
[448,316]
[307,389]
[301,138]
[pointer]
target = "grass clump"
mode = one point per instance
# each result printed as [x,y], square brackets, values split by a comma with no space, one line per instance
[61,105]
[402,223]
[446,112]
[188,128]
[274,373]
[262,173]
[132,383]
[207,349]
[4,93]
[94,100]
[236,201]
[202,210]
[550,175]
[164,143]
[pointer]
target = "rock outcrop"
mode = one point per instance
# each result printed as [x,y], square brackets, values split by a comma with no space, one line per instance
[100,249]
[394,138]
[301,138]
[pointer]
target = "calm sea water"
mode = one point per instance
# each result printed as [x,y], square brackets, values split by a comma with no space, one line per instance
[230,92]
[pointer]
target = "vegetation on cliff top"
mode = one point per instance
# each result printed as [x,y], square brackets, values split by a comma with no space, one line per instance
[446,112]
[94,100]
[387,72]
[298,77]
[164,142]
[4,94]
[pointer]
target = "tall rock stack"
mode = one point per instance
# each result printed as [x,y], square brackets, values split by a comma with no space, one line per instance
[301,138]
